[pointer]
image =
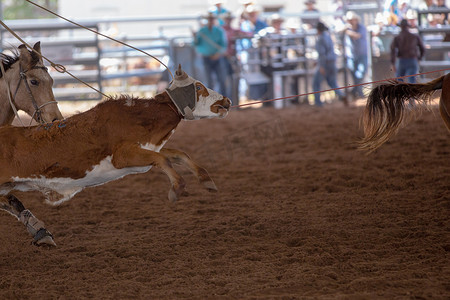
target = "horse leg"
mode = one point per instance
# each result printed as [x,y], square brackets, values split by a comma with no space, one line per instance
[34,226]
[135,156]
[180,157]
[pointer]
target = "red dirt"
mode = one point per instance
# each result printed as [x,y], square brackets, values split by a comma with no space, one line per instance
[299,214]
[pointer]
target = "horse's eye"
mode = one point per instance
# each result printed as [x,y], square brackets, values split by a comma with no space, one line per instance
[34,82]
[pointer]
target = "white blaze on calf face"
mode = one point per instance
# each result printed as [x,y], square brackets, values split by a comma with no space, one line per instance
[204,104]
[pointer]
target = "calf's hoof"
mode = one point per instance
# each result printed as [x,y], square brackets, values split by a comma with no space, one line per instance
[210,186]
[43,237]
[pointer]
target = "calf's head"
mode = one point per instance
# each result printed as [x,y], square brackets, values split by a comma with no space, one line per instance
[194,100]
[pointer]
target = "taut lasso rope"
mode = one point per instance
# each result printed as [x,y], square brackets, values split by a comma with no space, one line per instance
[339,88]
[101,34]
[57,67]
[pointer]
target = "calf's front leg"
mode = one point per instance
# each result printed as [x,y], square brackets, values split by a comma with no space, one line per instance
[135,156]
[41,236]
[180,157]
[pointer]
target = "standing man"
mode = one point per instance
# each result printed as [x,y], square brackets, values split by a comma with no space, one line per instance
[357,59]
[409,49]
[211,43]
[327,64]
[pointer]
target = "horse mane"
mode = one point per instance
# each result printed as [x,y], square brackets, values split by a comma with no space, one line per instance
[9,60]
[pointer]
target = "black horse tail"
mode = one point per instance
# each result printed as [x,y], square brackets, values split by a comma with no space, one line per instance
[386,109]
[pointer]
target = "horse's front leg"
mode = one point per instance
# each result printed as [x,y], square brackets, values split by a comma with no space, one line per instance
[181,158]
[131,155]
[41,236]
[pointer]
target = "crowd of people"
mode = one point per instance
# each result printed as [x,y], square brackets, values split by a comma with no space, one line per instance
[224,37]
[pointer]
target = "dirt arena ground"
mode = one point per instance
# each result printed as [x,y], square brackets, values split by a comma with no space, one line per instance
[300,214]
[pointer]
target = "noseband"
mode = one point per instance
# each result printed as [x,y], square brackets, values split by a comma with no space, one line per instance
[37,108]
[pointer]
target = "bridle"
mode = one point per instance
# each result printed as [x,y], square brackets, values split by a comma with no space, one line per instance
[37,108]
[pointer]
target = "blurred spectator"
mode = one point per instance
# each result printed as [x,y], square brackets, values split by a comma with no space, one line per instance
[403,7]
[211,43]
[272,56]
[310,22]
[218,10]
[357,54]
[426,5]
[376,30]
[232,35]
[276,25]
[326,68]
[242,11]
[443,17]
[253,23]
[391,10]
[411,16]
[396,10]
[409,49]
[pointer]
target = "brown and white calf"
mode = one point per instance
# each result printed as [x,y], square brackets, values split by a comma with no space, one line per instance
[116,138]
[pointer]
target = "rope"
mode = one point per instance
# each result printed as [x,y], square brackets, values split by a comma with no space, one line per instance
[57,67]
[339,88]
[101,34]
[62,69]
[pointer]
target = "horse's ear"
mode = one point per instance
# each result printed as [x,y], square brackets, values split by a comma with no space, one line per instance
[24,57]
[37,48]
[180,74]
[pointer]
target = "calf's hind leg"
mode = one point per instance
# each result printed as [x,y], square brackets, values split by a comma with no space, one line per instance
[131,155]
[35,227]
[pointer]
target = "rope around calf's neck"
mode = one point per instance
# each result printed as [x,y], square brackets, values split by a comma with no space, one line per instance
[339,88]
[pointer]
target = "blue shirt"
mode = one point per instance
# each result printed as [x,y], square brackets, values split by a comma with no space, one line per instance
[359,46]
[325,49]
[219,14]
[209,42]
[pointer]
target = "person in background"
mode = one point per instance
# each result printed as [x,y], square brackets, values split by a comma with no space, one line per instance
[443,17]
[310,22]
[242,11]
[357,56]
[409,49]
[211,43]
[219,11]
[232,35]
[253,23]
[426,5]
[326,68]
[376,30]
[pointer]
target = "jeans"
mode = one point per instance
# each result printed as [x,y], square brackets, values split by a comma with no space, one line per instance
[407,66]
[358,68]
[218,67]
[330,77]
